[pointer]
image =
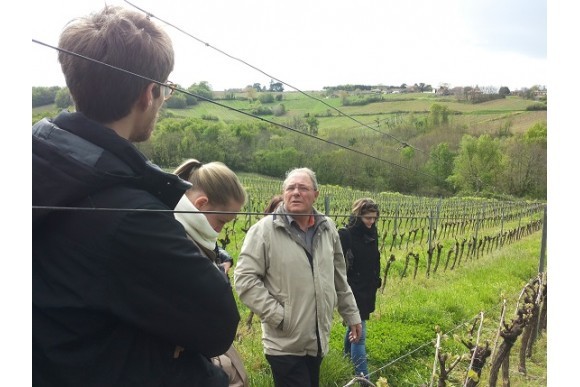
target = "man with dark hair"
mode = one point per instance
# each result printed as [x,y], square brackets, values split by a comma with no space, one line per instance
[116,283]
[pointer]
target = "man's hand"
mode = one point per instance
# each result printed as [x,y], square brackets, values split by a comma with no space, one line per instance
[355,333]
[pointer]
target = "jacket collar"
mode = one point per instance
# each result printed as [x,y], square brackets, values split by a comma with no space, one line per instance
[282,220]
[165,186]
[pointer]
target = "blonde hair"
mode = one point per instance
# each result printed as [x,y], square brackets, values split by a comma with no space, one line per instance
[215,179]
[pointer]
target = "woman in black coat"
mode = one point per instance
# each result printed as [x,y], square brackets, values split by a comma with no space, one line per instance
[360,246]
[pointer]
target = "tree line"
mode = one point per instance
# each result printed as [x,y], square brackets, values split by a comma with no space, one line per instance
[502,165]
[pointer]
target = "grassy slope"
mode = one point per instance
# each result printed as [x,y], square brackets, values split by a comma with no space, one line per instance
[483,117]
[408,312]
[487,117]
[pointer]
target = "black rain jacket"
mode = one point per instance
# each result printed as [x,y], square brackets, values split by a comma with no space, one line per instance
[114,290]
[363,273]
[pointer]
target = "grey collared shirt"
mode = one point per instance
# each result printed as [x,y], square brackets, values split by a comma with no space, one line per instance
[306,236]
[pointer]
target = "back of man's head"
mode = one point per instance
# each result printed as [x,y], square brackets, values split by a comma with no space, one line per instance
[121,38]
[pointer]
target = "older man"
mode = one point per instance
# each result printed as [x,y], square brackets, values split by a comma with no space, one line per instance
[291,273]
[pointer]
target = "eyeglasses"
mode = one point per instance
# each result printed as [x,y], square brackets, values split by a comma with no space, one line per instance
[167,90]
[301,188]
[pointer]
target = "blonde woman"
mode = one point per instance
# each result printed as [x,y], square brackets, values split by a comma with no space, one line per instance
[214,199]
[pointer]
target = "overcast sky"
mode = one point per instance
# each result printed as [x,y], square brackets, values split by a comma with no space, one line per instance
[309,44]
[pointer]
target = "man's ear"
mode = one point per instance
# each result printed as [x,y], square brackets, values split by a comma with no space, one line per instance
[147,97]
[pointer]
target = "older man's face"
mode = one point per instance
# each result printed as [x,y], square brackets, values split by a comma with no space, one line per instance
[299,194]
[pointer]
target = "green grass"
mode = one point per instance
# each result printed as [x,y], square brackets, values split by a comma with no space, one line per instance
[402,330]
[479,118]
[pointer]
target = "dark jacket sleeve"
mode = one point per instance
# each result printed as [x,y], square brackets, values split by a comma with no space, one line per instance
[164,285]
[224,256]
[344,235]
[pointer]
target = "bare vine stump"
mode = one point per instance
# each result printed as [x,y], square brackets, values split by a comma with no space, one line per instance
[444,372]
[387,268]
[510,334]
[479,354]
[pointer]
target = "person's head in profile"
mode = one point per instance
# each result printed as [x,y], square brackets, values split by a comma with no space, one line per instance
[216,191]
[115,88]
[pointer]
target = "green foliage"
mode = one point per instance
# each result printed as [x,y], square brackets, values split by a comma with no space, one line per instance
[260,110]
[277,162]
[537,106]
[440,165]
[361,100]
[266,97]
[44,95]
[526,171]
[478,166]
[63,98]
[438,115]
[537,133]
[202,89]
[177,101]
[279,110]
[209,117]
[503,91]
[276,86]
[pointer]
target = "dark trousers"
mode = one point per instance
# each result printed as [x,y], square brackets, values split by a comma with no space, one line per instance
[295,371]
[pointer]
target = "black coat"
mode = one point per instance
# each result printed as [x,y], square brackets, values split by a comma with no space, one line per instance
[114,292]
[364,272]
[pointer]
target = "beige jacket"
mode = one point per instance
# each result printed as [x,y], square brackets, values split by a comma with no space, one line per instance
[273,277]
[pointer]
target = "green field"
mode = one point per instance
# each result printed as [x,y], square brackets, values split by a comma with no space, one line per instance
[483,116]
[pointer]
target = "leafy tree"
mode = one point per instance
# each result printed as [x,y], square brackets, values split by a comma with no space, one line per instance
[538,133]
[438,115]
[277,162]
[440,164]
[479,166]
[202,89]
[312,125]
[504,90]
[276,86]
[177,101]
[279,110]
[423,87]
[251,93]
[526,172]
[63,98]
[266,98]
[44,95]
